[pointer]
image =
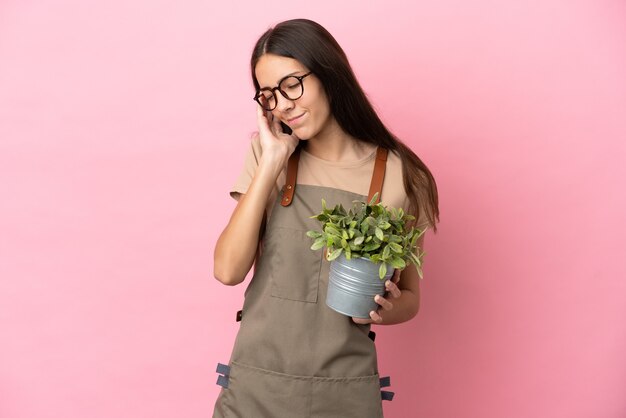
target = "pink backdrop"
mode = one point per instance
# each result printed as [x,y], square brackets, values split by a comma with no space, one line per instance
[123,125]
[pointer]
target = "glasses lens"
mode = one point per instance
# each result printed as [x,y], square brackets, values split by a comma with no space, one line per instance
[267,100]
[291,88]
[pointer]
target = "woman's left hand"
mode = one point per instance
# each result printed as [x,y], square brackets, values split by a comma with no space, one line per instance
[386,304]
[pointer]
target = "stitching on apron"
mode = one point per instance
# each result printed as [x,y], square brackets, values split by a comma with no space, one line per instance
[308,378]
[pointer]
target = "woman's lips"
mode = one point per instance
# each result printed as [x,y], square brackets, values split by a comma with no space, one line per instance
[295,120]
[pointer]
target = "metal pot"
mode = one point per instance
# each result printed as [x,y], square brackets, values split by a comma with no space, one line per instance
[352,285]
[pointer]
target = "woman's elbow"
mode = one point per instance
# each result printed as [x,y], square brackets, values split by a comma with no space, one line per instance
[229,278]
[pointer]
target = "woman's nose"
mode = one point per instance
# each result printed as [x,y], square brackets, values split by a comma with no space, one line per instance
[283,104]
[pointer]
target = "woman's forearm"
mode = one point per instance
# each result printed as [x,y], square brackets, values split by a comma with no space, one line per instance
[237,245]
[405,308]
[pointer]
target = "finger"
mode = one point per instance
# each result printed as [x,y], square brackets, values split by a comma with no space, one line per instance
[392,288]
[276,125]
[386,305]
[272,122]
[376,317]
[361,321]
[396,276]
[262,121]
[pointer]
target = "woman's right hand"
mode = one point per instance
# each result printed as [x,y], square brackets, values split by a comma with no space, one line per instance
[275,144]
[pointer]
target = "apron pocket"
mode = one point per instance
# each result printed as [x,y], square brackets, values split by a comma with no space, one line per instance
[255,392]
[348,397]
[294,267]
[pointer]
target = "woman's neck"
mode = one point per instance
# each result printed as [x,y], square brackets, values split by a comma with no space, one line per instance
[334,144]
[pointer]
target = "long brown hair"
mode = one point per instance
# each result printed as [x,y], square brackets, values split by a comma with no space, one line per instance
[313,46]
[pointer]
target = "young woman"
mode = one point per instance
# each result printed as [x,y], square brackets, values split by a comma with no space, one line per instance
[318,137]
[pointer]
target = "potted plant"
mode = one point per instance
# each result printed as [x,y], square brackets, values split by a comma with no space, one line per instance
[364,246]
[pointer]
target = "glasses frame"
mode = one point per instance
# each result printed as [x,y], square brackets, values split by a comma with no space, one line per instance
[257,96]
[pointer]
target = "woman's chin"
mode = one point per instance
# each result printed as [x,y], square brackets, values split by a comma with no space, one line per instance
[300,133]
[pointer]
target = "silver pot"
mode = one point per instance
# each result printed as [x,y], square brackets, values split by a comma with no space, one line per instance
[352,285]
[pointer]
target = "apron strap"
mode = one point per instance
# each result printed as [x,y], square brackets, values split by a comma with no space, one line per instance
[292,172]
[376,184]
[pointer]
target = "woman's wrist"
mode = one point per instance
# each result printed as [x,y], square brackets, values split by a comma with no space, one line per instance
[274,160]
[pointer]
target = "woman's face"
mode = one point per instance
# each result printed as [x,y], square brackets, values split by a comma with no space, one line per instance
[309,114]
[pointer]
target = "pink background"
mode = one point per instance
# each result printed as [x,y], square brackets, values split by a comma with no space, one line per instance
[124,123]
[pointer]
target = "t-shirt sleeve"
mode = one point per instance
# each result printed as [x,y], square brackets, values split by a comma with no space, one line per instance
[250,165]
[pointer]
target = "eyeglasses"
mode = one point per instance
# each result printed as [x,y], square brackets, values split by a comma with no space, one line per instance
[290,87]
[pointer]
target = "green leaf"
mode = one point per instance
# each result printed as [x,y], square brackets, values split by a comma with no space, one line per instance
[334,254]
[371,246]
[395,238]
[329,229]
[313,234]
[398,263]
[386,252]
[382,270]
[415,260]
[414,238]
[317,244]
[359,240]
[395,247]
[420,272]
[379,233]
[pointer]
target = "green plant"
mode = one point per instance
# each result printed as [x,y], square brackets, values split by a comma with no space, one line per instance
[370,231]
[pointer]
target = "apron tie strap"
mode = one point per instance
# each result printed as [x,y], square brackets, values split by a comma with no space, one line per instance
[223,369]
[222,381]
[376,186]
[224,374]
[386,395]
[292,172]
